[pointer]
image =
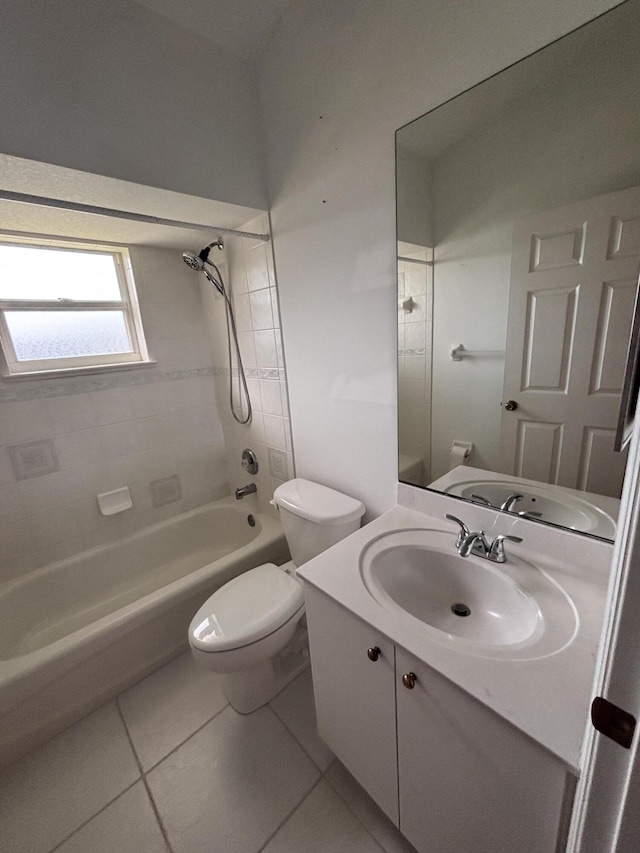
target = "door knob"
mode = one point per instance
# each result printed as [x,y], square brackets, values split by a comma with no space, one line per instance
[510,406]
[409,680]
[373,653]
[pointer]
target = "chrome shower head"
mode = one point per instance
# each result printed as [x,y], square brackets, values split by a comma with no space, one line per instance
[192,260]
[197,262]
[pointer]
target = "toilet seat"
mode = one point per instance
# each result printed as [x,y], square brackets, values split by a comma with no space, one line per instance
[246,609]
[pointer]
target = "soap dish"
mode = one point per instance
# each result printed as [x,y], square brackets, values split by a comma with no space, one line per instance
[116,501]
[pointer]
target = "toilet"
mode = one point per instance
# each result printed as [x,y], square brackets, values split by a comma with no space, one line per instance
[252,629]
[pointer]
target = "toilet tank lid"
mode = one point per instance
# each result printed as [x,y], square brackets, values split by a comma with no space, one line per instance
[317,503]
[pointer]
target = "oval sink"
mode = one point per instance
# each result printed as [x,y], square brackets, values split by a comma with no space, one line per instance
[467,600]
[552,504]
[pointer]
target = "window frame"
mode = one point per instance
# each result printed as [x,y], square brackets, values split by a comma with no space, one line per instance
[128,305]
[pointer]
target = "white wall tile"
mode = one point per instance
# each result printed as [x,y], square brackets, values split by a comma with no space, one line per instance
[148,400]
[261,313]
[151,432]
[16,537]
[81,447]
[11,505]
[112,406]
[266,350]
[271,398]
[255,258]
[274,432]
[275,308]
[254,394]
[56,526]
[7,474]
[200,351]
[182,394]
[242,313]
[119,439]
[125,426]
[246,341]
[24,421]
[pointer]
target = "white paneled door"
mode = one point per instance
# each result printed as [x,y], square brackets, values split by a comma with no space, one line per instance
[574,273]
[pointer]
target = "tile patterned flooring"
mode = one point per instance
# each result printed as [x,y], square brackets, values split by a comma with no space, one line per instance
[170,767]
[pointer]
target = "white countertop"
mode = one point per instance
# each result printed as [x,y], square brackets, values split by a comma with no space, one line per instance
[548,697]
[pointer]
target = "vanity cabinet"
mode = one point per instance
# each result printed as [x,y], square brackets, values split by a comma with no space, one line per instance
[453,775]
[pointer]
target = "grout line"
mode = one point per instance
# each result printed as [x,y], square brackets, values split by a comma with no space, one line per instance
[82,825]
[144,782]
[182,742]
[293,735]
[291,813]
[353,812]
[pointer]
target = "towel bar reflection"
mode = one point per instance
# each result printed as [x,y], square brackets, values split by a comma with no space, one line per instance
[459,352]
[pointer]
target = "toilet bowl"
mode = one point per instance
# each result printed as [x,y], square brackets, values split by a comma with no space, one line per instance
[252,629]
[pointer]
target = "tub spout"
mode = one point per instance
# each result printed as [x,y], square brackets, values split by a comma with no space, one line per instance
[245,490]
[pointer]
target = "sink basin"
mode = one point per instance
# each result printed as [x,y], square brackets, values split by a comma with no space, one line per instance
[417,575]
[555,505]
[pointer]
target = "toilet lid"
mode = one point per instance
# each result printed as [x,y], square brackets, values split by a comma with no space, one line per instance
[246,609]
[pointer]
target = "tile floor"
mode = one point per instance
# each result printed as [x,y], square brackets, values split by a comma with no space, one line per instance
[169,767]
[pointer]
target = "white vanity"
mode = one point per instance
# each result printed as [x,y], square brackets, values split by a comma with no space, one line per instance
[462,718]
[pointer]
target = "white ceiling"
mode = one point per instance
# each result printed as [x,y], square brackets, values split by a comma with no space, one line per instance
[241,27]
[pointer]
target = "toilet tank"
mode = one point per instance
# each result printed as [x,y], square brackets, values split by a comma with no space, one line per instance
[315,517]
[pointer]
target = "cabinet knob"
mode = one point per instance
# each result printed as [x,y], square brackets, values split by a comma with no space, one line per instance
[373,653]
[409,680]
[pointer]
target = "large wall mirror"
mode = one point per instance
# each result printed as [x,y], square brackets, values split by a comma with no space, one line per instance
[518,253]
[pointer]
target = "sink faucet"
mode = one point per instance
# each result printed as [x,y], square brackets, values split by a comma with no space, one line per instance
[508,505]
[243,491]
[476,543]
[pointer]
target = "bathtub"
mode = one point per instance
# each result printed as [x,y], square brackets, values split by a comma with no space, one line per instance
[78,632]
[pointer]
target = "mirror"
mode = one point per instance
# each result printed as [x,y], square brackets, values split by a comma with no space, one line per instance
[518,216]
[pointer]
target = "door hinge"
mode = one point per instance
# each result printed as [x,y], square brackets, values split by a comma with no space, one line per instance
[612,721]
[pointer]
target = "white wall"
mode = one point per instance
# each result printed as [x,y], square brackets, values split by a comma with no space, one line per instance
[338,80]
[115,89]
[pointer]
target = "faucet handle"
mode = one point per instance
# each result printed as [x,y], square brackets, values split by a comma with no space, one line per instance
[482,500]
[464,530]
[496,552]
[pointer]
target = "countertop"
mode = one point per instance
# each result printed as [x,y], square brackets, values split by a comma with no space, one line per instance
[548,698]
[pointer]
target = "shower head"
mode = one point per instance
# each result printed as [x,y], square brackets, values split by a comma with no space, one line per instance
[197,262]
[193,261]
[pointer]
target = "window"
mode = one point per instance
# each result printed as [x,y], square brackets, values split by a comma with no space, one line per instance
[67,305]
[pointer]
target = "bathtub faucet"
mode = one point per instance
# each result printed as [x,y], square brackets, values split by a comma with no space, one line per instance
[245,490]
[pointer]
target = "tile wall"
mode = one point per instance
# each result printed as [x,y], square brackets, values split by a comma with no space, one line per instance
[247,266]
[64,441]
[414,363]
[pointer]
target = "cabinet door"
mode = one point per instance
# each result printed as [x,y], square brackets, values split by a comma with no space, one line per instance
[355,696]
[469,781]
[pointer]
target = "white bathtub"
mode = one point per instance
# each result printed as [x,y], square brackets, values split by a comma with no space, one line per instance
[78,632]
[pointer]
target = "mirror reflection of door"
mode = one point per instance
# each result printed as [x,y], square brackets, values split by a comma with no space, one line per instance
[573,282]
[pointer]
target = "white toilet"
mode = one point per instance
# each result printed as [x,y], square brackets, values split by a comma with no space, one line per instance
[251,629]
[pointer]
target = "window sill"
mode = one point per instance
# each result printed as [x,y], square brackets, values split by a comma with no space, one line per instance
[77,371]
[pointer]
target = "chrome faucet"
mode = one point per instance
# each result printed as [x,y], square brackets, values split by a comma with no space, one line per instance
[510,502]
[476,543]
[243,491]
